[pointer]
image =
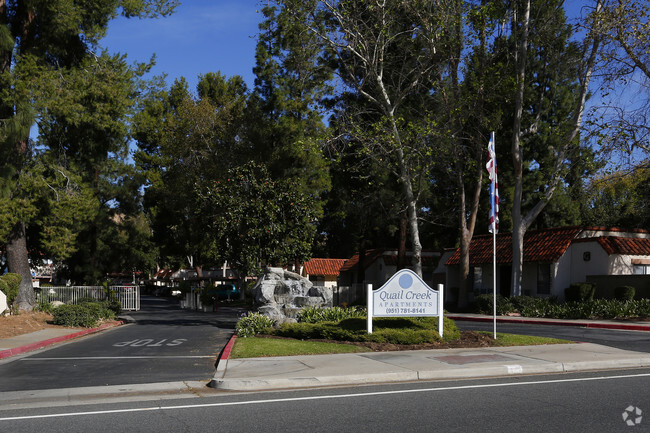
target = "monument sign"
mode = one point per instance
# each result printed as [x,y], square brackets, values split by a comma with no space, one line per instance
[405,295]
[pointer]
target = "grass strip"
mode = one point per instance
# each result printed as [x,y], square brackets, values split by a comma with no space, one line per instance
[504,340]
[254,347]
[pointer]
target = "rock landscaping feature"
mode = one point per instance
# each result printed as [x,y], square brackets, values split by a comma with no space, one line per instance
[281,294]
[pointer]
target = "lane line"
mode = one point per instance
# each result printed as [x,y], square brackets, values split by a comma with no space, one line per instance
[323,397]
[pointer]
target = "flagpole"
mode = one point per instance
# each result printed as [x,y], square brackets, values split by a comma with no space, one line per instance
[494,224]
[494,281]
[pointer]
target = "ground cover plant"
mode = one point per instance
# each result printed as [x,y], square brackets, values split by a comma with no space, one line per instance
[395,330]
[349,324]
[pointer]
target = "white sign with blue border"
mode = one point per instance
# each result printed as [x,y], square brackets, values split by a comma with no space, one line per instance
[405,295]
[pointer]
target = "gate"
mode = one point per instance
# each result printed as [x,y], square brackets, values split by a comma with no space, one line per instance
[129,296]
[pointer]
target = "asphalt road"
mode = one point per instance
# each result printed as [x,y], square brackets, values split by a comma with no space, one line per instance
[589,402]
[164,344]
[628,340]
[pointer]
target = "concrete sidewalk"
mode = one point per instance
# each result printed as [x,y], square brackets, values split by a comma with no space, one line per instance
[381,367]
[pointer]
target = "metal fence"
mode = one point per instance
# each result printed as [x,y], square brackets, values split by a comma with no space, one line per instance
[129,296]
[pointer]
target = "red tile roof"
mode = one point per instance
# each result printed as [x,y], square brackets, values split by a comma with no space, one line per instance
[163,274]
[324,266]
[627,246]
[615,229]
[391,260]
[353,262]
[546,245]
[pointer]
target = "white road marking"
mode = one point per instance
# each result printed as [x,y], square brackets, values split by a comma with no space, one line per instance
[321,397]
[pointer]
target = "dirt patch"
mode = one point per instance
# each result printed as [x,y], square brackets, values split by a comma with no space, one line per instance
[24,323]
[468,339]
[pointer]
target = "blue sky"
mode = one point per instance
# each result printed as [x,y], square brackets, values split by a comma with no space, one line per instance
[201,36]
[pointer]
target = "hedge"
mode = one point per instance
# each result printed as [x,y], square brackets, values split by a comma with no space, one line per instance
[396,330]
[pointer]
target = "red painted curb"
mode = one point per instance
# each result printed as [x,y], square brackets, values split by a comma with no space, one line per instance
[621,326]
[226,350]
[40,344]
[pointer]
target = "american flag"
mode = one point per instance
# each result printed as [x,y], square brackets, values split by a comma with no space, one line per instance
[494,187]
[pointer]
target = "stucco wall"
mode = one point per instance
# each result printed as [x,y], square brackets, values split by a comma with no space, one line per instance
[598,263]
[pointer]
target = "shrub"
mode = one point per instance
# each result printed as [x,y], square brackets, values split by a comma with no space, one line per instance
[46,307]
[10,284]
[484,305]
[334,314]
[75,315]
[579,292]
[114,305]
[252,324]
[86,314]
[396,330]
[207,296]
[624,293]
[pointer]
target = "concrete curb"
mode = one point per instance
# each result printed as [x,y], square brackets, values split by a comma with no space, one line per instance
[269,383]
[266,384]
[222,362]
[225,354]
[582,323]
[7,353]
[10,400]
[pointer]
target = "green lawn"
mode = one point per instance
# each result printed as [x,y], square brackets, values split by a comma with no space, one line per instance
[254,347]
[523,340]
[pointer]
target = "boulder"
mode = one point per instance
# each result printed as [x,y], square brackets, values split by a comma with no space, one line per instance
[281,294]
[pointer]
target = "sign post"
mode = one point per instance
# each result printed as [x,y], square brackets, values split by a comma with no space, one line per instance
[369,303]
[406,295]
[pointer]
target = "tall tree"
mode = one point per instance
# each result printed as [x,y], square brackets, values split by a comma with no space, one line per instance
[385,52]
[292,80]
[37,40]
[187,142]
[552,79]
[619,200]
[253,221]
[620,118]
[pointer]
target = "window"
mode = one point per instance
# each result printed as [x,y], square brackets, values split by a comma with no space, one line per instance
[544,279]
[477,280]
[641,269]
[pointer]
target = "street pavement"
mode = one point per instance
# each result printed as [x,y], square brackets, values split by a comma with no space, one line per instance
[380,367]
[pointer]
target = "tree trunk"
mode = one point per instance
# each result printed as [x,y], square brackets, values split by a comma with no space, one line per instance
[467,225]
[522,223]
[18,262]
[517,158]
[410,201]
[401,252]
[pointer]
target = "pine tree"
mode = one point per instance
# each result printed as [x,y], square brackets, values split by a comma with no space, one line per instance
[42,45]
